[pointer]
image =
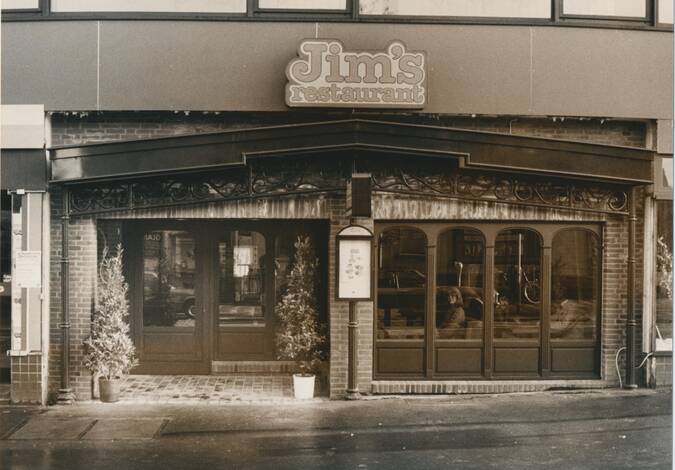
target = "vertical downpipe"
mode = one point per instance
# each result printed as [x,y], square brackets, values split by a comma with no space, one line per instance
[65,395]
[630,317]
[352,354]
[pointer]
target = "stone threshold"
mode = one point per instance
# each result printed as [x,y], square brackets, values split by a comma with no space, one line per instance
[251,367]
[446,387]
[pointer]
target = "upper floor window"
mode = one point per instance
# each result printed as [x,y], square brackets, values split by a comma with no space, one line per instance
[307,5]
[462,8]
[153,6]
[609,8]
[20,5]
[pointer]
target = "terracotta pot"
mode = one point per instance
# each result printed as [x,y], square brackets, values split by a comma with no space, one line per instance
[303,386]
[109,390]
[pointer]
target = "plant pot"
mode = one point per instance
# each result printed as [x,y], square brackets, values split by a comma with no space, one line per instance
[109,390]
[303,386]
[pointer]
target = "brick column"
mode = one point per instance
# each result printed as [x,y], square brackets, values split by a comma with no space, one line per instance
[82,247]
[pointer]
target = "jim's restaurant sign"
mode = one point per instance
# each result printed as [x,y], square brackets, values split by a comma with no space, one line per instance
[325,75]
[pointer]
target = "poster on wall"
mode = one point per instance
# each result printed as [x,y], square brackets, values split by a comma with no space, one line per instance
[28,269]
[354,269]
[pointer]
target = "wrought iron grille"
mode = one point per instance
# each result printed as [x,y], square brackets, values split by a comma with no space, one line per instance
[269,177]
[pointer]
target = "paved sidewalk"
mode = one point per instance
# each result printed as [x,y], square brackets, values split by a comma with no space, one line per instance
[596,429]
[176,389]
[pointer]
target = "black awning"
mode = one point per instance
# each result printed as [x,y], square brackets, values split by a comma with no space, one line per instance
[23,169]
[471,148]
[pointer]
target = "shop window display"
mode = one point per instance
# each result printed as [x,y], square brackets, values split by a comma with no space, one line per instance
[402,282]
[664,276]
[575,276]
[459,285]
[517,277]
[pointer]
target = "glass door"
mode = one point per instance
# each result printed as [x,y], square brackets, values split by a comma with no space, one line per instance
[169,328]
[243,310]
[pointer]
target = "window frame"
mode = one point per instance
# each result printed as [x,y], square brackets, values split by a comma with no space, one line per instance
[650,18]
[351,15]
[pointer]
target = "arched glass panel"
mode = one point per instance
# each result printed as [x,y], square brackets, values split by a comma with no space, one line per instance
[459,281]
[169,279]
[241,281]
[517,281]
[575,276]
[402,283]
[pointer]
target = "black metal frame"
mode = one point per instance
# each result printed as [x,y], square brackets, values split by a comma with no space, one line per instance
[649,17]
[351,14]
[430,178]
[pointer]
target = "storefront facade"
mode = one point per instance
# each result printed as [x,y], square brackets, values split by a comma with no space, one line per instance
[509,195]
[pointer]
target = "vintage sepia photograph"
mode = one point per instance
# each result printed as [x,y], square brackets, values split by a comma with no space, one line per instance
[336,234]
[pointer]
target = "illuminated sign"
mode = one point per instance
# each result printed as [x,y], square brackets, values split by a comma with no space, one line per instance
[325,75]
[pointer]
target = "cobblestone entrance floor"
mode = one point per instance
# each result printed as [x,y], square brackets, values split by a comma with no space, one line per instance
[206,388]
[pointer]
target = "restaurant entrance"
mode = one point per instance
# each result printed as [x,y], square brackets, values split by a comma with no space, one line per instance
[204,290]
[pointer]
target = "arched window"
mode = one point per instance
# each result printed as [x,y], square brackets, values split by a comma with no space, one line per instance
[517,284]
[459,284]
[402,282]
[575,285]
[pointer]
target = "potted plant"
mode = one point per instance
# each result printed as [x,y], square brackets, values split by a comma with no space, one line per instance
[299,336]
[110,353]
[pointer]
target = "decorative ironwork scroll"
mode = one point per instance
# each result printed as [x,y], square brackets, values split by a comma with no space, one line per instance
[263,178]
[451,181]
[268,177]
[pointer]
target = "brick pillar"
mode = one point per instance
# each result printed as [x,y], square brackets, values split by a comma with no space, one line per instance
[339,315]
[82,249]
[338,311]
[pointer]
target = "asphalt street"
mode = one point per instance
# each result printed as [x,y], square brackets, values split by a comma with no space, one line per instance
[599,429]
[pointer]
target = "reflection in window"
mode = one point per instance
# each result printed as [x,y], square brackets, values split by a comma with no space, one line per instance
[241,266]
[401,284]
[473,8]
[575,275]
[169,279]
[664,275]
[459,280]
[517,281]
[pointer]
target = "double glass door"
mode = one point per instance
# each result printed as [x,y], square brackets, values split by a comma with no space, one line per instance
[205,291]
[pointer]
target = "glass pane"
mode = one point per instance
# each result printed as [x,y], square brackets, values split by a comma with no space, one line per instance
[459,280]
[241,280]
[402,284]
[183,6]
[476,8]
[517,277]
[169,279]
[19,4]
[303,4]
[633,8]
[575,276]
[665,11]
[664,275]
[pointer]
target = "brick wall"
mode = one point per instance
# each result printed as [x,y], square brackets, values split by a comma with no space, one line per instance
[107,127]
[82,249]
[75,129]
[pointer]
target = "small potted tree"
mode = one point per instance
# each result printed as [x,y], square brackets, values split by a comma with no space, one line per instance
[299,336]
[110,353]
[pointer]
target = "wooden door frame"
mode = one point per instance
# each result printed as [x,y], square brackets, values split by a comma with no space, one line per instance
[546,230]
[132,236]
